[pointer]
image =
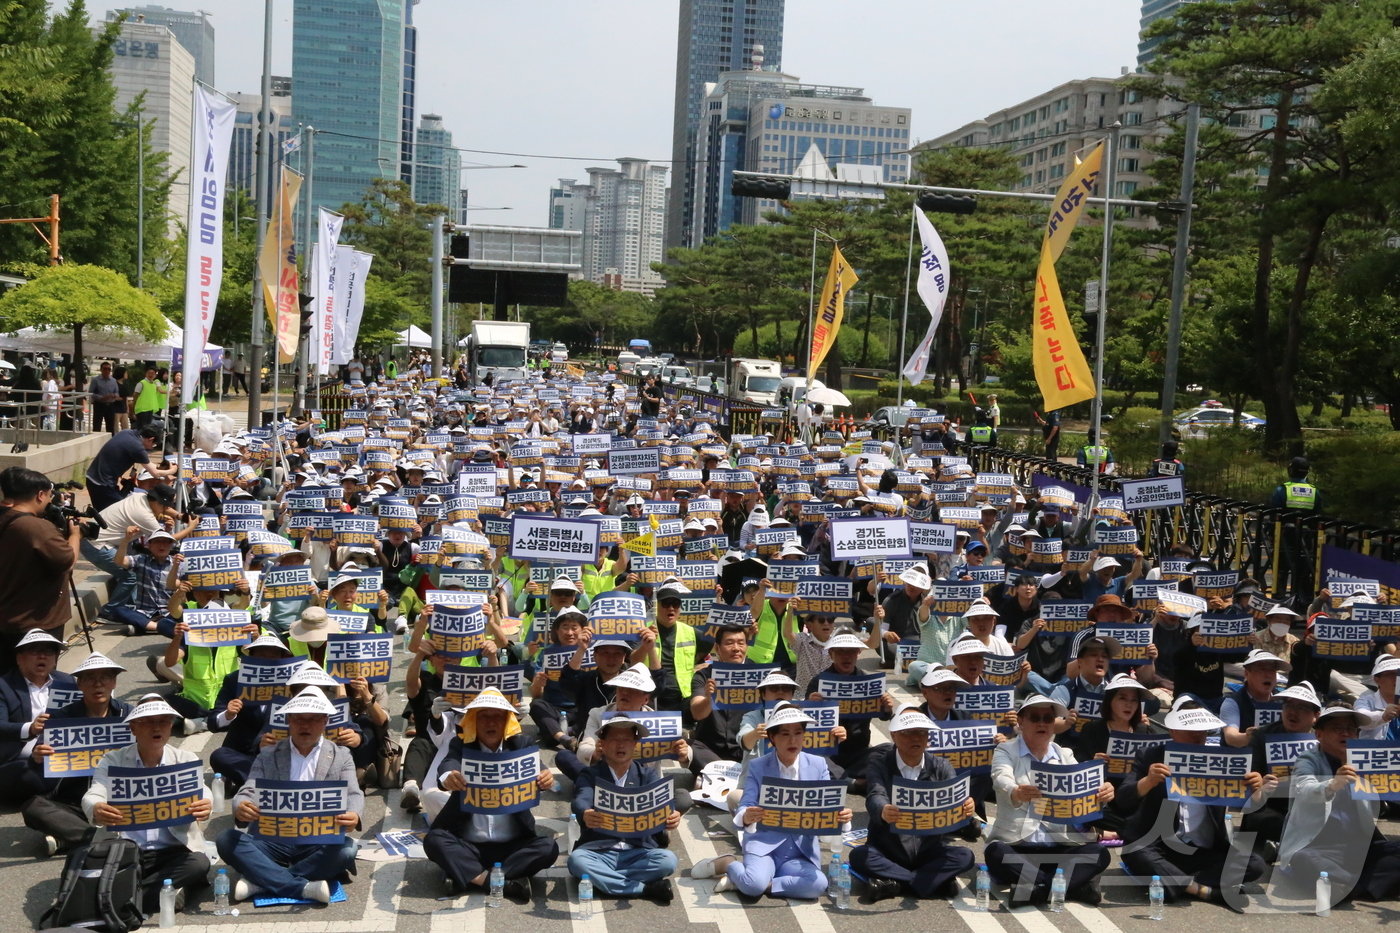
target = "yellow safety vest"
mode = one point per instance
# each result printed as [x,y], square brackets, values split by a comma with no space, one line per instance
[1300,496]
[148,397]
[765,644]
[1095,454]
[683,658]
[981,433]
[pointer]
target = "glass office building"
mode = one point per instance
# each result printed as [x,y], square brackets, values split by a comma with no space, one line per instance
[1153,10]
[347,82]
[715,36]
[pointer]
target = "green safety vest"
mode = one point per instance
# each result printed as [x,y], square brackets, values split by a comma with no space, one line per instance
[1095,454]
[683,658]
[597,581]
[205,670]
[765,645]
[1300,496]
[982,433]
[148,397]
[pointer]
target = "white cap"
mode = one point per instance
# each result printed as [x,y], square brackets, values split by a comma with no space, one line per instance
[980,608]
[938,676]
[1259,655]
[147,708]
[1032,533]
[911,718]
[563,584]
[1281,610]
[967,645]
[1193,720]
[97,662]
[1301,691]
[777,679]
[311,701]
[792,549]
[693,525]
[313,675]
[1038,700]
[636,677]
[916,577]
[1103,563]
[490,698]
[611,641]
[1357,716]
[267,641]
[1125,682]
[636,726]
[1385,664]
[38,637]
[845,640]
[783,714]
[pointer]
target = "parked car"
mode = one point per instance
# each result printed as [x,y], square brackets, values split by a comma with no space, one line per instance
[1197,421]
[893,415]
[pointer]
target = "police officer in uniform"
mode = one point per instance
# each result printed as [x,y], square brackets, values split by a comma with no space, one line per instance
[1300,498]
[1167,464]
[982,433]
[1095,455]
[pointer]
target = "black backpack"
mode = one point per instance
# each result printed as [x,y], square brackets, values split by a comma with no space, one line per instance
[100,888]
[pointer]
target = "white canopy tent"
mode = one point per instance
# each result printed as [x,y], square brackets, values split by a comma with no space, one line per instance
[108,344]
[415,336]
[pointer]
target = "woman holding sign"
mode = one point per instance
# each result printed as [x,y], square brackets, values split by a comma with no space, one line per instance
[171,847]
[774,861]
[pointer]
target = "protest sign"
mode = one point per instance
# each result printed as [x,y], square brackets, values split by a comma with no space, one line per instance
[663,729]
[860,696]
[929,808]
[457,631]
[1377,764]
[634,461]
[952,598]
[1226,634]
[1069,793]
[260,680]
[967,746]
[1341,640]
[1135,638]
[460,685]
[348,621]
[1064,616]
[1003,670]
[989,703]
[1210,586]
[1384,620]
[1116,542]
[285,583]
[736,685]
[932,537]
[152,798]
[823,596]
[535,537]
[806,808]
[633,812]
[1281,751]
[500,782]
[79,744]
[474,581]
[214,570]
[722,615]
[60,695]
[622,614]
[1207,774]
[653,570]
[863,538]
[1157,493]
[300,812]
[277,718]
[216,628]
[1123,747]
[356,530]
[352,656]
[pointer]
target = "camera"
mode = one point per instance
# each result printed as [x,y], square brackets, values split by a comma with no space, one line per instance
[61,512]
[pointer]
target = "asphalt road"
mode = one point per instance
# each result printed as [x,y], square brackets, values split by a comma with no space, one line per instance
[409,896]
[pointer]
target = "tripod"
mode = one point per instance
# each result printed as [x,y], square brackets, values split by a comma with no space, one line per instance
[86,632]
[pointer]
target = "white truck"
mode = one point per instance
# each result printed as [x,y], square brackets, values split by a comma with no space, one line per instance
[755,381]
[499,348]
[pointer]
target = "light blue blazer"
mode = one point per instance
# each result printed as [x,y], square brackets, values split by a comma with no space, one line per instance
[758,841]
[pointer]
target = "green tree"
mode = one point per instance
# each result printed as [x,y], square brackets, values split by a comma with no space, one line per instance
[398,232]
[234,311]
[82,299]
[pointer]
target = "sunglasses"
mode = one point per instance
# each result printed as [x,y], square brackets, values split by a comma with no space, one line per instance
[1038,717]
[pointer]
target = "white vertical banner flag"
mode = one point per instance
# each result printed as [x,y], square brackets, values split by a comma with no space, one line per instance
[322,339]
[933,289]
[211,128]
[358,266]
[344,264]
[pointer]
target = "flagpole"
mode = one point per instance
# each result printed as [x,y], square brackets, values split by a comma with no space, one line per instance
[1110,154]
[904,317]
[811,308]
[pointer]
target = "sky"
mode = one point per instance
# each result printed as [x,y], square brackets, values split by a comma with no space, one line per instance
[560,86]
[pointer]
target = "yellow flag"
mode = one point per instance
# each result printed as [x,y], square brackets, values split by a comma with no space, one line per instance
[840,278]
[644,545]
[278,264]
[1060,368]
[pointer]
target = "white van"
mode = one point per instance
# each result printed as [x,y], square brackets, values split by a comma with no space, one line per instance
[627,361]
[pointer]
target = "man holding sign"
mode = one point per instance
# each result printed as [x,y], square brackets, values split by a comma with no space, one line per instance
[623,845]
[465,844]
[272,860]
[162,815]
[897,855]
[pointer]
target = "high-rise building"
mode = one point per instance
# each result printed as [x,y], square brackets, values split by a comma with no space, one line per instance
[1153,10]
[191,29]
[347,82]
[437,175]
[1045,132]
[147,60]
[410,96]
[624,223]
[566,205]
[762,121]
[715,36]
[242,162]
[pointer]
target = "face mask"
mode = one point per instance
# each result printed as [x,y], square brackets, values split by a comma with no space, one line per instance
[1278,629]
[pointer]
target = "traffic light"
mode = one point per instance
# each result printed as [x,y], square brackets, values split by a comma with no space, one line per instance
[947,203]
[459,247]
[778,189]
[306,312]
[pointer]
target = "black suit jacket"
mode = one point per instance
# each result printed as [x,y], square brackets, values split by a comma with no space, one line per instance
[15,711]
[638,775]
[1143,811]
[453,818]
[880,775]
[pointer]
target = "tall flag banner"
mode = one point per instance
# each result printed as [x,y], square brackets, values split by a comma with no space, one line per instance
[1060,367]
[344,259]
[933,289]
[322,339]
[840,279]
[211,126]
[354,269]
[278,264]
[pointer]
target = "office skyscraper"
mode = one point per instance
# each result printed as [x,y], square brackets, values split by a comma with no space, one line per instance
[1153,10]
[437,174]
[410,96]
[347,82]
[242,163]
[191,29]
[714,36]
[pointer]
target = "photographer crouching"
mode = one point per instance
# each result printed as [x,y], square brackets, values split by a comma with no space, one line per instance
[38,547]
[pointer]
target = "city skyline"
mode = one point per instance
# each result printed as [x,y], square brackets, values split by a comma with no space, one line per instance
[609,90]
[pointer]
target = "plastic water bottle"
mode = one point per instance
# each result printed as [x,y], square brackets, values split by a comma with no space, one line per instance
[1229,829]
[572,831]
[1324,896]
[585,899]
[498,886]
[221,906]
[841,878]
[1156,899]
[984,888]
[167,904]
[216,793]
[1057,892]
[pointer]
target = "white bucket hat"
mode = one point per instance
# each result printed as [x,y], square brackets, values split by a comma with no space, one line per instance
[636,677]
